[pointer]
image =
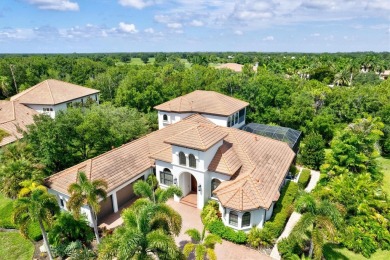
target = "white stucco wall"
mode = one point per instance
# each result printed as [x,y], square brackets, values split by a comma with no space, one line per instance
[256,220]
[218,120]
[61,106]
[172,118]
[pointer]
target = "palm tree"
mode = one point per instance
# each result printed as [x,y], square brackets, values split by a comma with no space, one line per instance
[39,206]
[142,236]
[86,192]
[319,222]
[147,189]
[150,195]
[201,244]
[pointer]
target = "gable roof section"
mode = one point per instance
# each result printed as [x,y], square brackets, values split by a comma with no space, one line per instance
[225,160]
[52,92]
[200,137]
[14,116]
[201,101]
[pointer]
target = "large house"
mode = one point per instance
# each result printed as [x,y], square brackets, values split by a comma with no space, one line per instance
[14,118]
[200,149]
[51,96]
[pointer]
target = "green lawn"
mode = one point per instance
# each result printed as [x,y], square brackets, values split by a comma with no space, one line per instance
[15,247]
[385,164]
[5,212]
[336,252]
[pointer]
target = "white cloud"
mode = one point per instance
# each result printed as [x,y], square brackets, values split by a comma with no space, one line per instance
[127,28]
[238,32]
[268,38]
[139,4]
[58,5]
[196,23]
[149,30]
[175,25]
[315,34]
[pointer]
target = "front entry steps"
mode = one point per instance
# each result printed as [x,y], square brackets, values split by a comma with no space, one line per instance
[190,200]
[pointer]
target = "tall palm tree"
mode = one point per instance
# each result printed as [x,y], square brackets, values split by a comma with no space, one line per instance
[39,206]
[141,237]
[202,245]
[319,222]
[86,192]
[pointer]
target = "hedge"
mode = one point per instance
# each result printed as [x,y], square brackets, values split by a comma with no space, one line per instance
[218,228]
[304,178]
[282,211]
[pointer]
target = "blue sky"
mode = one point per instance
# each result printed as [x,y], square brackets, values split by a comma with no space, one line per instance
[66,26]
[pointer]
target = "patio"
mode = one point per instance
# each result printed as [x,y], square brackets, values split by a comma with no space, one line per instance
[191,219]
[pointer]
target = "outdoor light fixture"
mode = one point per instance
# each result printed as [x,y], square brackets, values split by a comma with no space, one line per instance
[175,181]
[199,187]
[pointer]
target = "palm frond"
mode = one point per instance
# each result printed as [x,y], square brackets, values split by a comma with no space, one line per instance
[200,251]
[211,254]
[194,234]
[143,189]
[211,240]
[169,193]
[188,248]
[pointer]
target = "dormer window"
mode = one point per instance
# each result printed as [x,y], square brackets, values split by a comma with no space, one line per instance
[182,159]
[165,118]
[192,161]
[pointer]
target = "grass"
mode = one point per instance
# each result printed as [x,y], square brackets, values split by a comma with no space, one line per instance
[15,247]
[6,212]
[335,252]
[385,164]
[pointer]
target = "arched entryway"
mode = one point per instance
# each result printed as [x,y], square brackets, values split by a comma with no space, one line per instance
[189,186]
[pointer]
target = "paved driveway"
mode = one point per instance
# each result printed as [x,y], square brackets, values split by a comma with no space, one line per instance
[226,250]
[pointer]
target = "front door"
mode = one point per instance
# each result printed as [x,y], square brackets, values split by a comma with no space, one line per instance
[194,184]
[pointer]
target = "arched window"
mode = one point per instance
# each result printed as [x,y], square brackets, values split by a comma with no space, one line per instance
[166,177]
[165,117]
[214,184]
[246,219]
[233,218]
[182,159]
[192,160]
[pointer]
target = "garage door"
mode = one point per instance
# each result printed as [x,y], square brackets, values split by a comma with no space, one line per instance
[125,194]
[105,209]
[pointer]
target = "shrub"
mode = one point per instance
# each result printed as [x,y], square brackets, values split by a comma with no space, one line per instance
[210,212]
[293,170]
[5,215]
[218,228]
[312,152]
[288,249]
[304,178]
[282,211]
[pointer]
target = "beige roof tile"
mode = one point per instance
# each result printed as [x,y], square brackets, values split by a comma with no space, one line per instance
[257,163]
[52,92]
[201,101]
[14,117]
[226,160]
[200,137]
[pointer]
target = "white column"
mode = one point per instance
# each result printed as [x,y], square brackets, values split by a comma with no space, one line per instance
[114,202]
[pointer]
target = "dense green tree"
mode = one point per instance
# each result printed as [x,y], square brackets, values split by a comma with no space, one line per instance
[87,192]
[17,165]
[313,150]
[39,206]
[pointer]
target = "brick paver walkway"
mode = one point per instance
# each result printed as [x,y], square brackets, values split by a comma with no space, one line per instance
[224,251]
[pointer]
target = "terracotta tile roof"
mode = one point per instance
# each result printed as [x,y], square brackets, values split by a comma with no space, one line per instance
[200,137]
[52,92]
[225,160]
[260,163]
[200,101]
[14,116]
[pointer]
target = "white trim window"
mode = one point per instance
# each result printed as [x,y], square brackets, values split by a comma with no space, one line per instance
[182,159]
[166,177]
[214,184]
[192,161]
[233,218]
[165,118]
[246,219]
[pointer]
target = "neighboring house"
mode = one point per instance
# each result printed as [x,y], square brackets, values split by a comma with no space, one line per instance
[220,109]
[384,75]
[234,67]
[244,172]
[51,96]
[14,118]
